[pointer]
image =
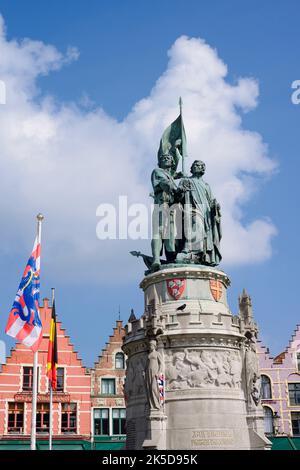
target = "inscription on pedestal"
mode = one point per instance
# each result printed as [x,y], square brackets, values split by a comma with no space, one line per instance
[212,438]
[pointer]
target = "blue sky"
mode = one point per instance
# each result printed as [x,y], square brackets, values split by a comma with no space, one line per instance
[123,49]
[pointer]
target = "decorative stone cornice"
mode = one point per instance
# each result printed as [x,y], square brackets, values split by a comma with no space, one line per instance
[183,340]
[58,397]
[185,272]
[206,340]
[135,347]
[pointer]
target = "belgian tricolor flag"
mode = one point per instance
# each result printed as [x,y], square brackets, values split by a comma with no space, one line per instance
[52,351]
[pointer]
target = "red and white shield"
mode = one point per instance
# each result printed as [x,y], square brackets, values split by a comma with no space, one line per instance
[216,289]
[176,287]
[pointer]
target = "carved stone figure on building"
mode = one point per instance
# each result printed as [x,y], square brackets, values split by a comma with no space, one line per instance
[199,372]
[235,369]
[208,360]
[153,369]
[139,376]
[129,380]
[256,389]
[177,371]
[252,374]
[223,377]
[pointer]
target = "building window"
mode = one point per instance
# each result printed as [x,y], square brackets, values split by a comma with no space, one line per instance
[28,378]
[108,386]
[101,421]
[15,418]
[42,417]
[266,389]
[60,374]
[118,420]
[294,393]
[60,379]
[69,418]
[295,423]
[298,361]
[268,420]
[119,361]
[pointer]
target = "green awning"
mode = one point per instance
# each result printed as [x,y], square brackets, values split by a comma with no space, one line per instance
[14,446]
[285,443]
[109,445]
[6,444]
[106,443]
[62,446]
[296,441]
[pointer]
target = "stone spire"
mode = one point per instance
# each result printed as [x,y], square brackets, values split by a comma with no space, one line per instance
[248,323]
[132,316]
[245,307]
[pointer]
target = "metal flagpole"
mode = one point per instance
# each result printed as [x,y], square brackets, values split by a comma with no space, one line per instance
[182,139]
[187,203]
[51,395]
[34,400]
[50,423]
[39,217]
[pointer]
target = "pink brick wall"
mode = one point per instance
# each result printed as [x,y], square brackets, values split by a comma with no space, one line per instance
[77,381]
[281,370]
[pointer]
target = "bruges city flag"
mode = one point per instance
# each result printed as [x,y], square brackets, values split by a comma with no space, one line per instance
[52,351]
[24,321]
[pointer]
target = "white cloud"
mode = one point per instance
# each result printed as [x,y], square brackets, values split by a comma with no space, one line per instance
[65,160]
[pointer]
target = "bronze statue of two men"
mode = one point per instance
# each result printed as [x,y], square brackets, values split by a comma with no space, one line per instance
[186,218]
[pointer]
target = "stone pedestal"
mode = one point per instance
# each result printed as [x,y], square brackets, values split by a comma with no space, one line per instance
[209,365]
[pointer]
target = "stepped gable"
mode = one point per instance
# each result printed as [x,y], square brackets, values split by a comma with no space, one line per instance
[105,365]
[294,345]
[76,381]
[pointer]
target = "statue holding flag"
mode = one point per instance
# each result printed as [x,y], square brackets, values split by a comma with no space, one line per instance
[166,195]
[186,221]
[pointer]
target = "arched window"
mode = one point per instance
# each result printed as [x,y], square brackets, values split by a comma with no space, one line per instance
[119,361]
[268,420]
[298,361]
[266,389]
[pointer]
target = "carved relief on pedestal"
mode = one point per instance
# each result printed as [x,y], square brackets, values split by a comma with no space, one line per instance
[135,382]
[203,368]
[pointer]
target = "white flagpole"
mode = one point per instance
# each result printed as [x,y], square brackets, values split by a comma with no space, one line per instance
[35,362]
[51,413]
[34,401]
[51,398]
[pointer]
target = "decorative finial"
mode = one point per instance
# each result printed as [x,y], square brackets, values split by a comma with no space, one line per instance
[52,295]
[180,104]
[132,316]
[40,217]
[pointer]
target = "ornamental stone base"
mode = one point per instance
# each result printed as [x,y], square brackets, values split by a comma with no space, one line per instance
[192,374]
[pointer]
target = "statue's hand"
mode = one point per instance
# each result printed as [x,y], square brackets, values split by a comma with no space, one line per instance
[177,143]
[185,185]
[135,253]
[215,204]
[178,175]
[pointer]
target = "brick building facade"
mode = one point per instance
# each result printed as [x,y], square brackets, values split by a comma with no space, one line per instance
[280,388]
[71,402]
[89,406]
[107,398]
